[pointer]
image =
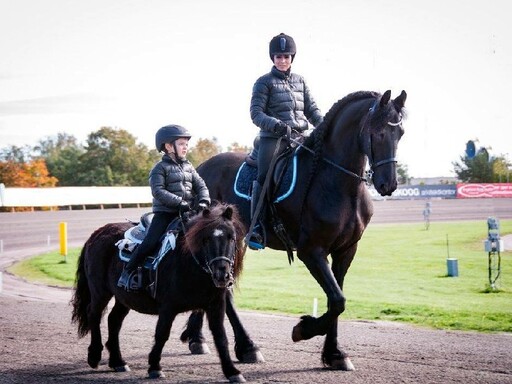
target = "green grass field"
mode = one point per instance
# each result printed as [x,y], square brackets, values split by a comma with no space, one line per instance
[399,274]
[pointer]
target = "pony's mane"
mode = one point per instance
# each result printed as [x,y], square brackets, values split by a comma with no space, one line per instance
[201,226]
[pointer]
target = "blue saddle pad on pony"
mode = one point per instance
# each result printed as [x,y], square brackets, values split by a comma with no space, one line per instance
[247,174]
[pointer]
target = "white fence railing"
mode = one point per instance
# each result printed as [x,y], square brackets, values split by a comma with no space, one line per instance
[68,196]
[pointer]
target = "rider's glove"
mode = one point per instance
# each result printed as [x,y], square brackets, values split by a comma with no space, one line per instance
[282,129]
[203,204]
[184,206]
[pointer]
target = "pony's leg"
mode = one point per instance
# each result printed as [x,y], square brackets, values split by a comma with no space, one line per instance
[115,321]
[332,356]
[215,317]
[315,259]
[94,314]
[166,317]
[193,334]
[246,350]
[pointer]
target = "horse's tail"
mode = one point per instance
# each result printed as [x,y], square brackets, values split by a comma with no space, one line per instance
[81,296]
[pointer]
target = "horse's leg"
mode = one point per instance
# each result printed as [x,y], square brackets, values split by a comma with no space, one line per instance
[215,316]
[115,321]
[245,349]
[94,315]
[166,317]
[315,259]
[332,356]
[193,334]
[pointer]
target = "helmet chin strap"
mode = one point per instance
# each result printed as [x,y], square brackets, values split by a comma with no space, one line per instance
[177,158]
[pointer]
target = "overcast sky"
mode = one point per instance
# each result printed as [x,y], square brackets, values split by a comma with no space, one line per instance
[75,66]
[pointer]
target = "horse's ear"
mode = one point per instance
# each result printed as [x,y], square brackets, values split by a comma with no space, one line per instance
[228,213]
[384,100]
[400,100]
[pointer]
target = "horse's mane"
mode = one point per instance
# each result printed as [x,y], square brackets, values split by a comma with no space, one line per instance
[201,226]
[318,134]
[316,140]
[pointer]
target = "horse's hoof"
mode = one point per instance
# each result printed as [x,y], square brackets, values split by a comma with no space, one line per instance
[156,374]
[252,357]
[343,364]
[237,379]
[199,348]
[93,363]
[122,368]
[297,333]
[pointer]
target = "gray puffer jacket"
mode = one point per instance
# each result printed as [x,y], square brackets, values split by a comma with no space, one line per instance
[172,182]
[279,96]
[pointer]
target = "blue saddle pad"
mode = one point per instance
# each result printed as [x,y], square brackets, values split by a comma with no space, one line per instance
[247,174]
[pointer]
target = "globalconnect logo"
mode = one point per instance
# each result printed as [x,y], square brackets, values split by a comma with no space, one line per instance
[419,192]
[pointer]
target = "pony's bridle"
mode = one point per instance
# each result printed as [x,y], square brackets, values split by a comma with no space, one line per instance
[207,264]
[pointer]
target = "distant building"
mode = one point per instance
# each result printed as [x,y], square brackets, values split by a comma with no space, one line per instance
[433,180]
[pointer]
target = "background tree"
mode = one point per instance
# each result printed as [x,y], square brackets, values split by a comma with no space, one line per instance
[31,173]
[18,168]
[403,173]
[204,149]
[112,157]
[62,154]
[482,168]
[235,147]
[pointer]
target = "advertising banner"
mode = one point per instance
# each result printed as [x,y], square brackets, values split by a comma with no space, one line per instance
[406,192]
[480,190]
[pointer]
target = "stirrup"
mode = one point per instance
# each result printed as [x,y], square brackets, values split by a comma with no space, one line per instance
[255,240]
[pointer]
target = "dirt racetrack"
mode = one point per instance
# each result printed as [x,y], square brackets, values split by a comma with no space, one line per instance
[38,344]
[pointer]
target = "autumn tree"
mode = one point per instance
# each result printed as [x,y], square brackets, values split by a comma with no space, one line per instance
[236,147]
[203,150]
[32,173]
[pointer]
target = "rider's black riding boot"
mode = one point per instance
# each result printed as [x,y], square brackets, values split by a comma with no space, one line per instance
[256,239]
[128,270]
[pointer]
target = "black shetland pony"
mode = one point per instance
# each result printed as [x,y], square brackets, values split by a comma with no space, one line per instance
[329,209]
[196,275]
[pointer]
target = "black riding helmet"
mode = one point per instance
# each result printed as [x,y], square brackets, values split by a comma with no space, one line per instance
[169,134]
[282,45]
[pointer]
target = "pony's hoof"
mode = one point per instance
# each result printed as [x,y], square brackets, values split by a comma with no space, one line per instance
[156,374]
[297,333]
[199,348]
[237,379]
[343,364]
[122,368]
[252,357]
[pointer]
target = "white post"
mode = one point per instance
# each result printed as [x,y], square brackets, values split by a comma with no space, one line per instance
[315,307]
[48,242]
[1,246]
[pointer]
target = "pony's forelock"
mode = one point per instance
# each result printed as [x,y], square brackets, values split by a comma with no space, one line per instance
[201,226]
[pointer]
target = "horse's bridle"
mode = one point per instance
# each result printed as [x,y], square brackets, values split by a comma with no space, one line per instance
[366,150]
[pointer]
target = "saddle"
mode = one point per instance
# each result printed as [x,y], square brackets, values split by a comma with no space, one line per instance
[146,276]
[284,177]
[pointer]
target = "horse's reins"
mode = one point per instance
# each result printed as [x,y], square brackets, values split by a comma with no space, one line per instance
[373,165]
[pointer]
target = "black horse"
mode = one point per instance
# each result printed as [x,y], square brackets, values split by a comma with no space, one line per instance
[329,209]
[196,275]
